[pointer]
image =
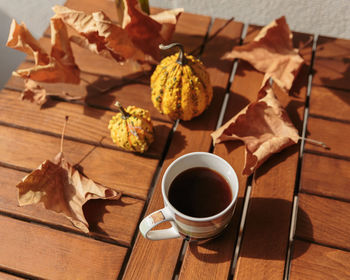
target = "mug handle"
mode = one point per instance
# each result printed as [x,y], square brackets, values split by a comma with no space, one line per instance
[156,218]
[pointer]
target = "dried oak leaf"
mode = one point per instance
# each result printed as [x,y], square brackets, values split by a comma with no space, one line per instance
[62,189]
[272,53]
[58,67]
[263,126]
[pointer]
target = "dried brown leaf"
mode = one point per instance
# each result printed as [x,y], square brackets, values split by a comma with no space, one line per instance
[34,93]
[58,67]
[102,35]
[168,20]
[272,53]
[62,189]
[137,39]
[264,127]
[20,39]
[148,32]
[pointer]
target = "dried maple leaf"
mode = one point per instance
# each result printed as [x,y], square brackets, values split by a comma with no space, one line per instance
[58,67]
[148,32]
[137,39]
[263,126]
[272,53]
[62,189]
[101,34]
[34,93]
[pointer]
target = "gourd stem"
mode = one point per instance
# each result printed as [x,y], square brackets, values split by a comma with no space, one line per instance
[181,59]
[125,114]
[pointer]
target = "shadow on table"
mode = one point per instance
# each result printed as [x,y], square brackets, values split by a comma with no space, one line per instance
[265,235]
[94,212]
[178,143]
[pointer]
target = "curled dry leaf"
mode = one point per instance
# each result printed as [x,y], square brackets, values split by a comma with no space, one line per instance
[148,32]
[272,53]
[136,39]
[263,126]
[34,93]
[101,35]
[62,189]
[58,67]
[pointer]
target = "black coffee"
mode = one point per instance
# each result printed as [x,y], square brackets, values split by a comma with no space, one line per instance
[199,192]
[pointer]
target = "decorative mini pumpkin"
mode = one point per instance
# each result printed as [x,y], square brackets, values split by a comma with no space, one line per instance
[132,129]
[181,86]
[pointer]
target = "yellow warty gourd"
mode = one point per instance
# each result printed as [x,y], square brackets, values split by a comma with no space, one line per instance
[181,86]
[132,129]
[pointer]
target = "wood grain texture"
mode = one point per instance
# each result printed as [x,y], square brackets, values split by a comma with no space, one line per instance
[332,133]
[85,123]
[116,220]
[319,263]
[330,103]
[325,176]
[51,254]
[130,173]
[159,258]
[332,63]
[265,240]
[28,150]
[99,91]
[329,221]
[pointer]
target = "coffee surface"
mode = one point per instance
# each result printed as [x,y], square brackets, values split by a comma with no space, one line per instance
[199,192]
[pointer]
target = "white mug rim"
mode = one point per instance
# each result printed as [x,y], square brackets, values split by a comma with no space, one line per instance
[203,219]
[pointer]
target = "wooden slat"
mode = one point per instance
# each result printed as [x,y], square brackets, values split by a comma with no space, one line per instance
[109,167]
[332,63]
[51,254]
[326,221]
[330,103]
[265,240]
[212,260]
[6,276]
[159,258]
[314,262]
[325,176]
[115,220]
[128,172]
[85,124]
[137,94]
[330,132]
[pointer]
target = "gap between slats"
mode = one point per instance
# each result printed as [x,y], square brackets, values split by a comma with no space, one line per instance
[299,166]
[19,274]
[307,115]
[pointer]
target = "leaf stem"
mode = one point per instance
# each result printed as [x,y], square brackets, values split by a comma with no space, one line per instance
[63,132]
[319,143]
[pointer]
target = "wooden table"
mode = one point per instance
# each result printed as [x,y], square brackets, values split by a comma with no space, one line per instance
[293,215]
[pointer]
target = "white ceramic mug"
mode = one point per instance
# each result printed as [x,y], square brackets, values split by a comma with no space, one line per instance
[183,225]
